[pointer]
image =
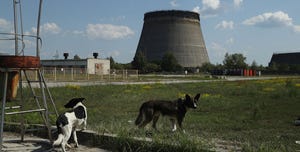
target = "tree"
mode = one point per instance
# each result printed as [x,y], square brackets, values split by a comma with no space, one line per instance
[169,63]
[112,62]
[76,57]
[152,67]
[139,61]
[207,67]
[254,65]
[235,61]
[118,66]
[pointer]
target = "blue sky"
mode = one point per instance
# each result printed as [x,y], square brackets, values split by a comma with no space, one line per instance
[255,28]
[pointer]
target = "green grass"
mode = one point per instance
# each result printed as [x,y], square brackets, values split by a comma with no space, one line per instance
[256,115]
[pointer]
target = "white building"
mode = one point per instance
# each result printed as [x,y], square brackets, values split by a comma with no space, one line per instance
[91,65]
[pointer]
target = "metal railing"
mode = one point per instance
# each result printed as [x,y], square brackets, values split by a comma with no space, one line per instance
[81,74]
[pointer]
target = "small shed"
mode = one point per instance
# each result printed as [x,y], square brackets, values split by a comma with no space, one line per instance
[91,65]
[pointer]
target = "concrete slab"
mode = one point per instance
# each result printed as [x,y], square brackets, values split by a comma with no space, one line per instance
[12,143]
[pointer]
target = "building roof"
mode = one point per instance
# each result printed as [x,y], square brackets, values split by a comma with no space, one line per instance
[69,62]
[286,58]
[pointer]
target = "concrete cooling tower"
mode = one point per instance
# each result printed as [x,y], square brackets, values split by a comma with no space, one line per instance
[174,31]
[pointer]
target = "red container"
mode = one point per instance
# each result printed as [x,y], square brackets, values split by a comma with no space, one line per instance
[250,73]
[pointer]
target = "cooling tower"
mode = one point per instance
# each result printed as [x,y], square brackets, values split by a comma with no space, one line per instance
[174,31]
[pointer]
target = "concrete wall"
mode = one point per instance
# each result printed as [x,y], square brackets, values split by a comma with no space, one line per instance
[98,66]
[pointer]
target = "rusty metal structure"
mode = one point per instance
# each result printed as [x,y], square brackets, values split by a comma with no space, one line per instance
[13,68]
[173,31]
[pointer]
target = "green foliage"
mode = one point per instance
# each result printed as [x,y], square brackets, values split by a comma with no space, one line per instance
[76,57]
[152,67]
[254,65]
[207,67]
[169,63]
[235,61]
[139,61]
[118,66]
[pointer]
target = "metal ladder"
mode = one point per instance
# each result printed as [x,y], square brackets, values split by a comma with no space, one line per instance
[40,98]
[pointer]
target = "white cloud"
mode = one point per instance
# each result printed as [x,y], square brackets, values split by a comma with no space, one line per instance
[237,3]
[275,19]
[230,41]
[196,9]
[118,18]
[225,25]
[174,3]
[107,31]
[269,19]
[77,32]
[217,52]
[211,4]
[3,23]
[51,28]
[5,26]
[114,53]
[296,28]
[209,8]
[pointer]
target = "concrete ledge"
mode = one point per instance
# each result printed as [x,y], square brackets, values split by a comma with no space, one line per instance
[109,142]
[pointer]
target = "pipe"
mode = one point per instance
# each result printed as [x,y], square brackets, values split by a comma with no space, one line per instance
[16,27]
[38,30]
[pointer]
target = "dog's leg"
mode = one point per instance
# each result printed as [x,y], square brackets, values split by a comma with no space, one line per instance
[144,123]
[75,138]
[63,146]
[173,124]
[84,124]
[67,135]
[180,120]
[148,118]
[155,118]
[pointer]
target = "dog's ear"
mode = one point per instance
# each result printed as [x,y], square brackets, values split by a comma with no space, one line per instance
[187,97]
[196,98]
[73,102]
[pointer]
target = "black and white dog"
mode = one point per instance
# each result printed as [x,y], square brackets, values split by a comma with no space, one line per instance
[176,110]
[68,122]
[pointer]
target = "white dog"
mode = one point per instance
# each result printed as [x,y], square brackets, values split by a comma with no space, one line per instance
[68,122]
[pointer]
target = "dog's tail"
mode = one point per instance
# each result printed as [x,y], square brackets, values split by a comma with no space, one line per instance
[139,119]
[59,140]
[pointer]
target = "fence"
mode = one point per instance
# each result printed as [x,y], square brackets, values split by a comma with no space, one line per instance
[80,74]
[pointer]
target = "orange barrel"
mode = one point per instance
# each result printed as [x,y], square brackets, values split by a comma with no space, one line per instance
[12,84]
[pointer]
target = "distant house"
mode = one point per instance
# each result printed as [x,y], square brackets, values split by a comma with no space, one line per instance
[90,65]
[292,58]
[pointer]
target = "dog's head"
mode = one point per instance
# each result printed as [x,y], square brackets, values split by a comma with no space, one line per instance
[191,103]
[73,102]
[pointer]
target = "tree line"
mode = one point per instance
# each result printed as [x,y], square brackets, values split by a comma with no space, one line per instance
[169,64]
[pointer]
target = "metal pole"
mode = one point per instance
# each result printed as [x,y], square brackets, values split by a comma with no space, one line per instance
[38,30]
[3,108]
[16,27]
[22,31]
[22,105]
[46,112]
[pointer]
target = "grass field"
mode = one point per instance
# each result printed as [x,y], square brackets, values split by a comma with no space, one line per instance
[254,115]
